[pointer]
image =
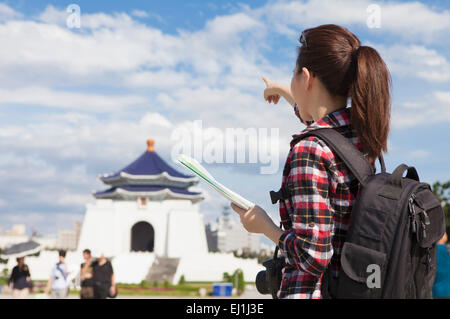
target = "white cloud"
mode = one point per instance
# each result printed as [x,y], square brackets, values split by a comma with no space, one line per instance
[52,15]
[81,139]
[158,18]
[35,45]
[163,79]
[411,20]
[419,154]
[99,21]
[117,50]
[227,52]
[414,19]
[415,60]
[7,13]
[229,107]
[157,119]
[139,13]
[29,182]
[443,96]
[433,109]
[62,99]
[117,43]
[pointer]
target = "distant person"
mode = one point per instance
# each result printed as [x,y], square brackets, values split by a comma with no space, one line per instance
[103,277]
[86,274]
[20,280]
[441,287]
[58,283]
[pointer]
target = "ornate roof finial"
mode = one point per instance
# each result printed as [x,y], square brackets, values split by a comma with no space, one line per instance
[150,144]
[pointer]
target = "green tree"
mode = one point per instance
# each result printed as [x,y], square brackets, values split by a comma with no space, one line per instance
[238,275]
[241,281]
[226,277]
[166,284]
[182,280]
[442,191]
[3,261]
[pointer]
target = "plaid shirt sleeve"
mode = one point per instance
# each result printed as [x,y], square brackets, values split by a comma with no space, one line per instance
[307,244]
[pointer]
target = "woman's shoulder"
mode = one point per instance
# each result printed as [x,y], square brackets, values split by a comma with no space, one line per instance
[311,148]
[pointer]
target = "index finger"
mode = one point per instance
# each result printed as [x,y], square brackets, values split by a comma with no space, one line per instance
[266,80]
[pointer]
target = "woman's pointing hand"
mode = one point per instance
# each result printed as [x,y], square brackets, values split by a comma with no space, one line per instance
[272,91]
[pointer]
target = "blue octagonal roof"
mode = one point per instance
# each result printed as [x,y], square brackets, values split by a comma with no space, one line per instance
[149,166]
[149,176]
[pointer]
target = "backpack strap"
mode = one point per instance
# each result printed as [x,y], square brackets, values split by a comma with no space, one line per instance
[394,185]
[282,194]
[61,271]
[350,155]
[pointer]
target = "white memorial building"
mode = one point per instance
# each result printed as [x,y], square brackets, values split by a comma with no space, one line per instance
[148,222]
[147,208]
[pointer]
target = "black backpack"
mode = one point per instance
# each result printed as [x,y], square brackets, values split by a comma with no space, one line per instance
[390,248]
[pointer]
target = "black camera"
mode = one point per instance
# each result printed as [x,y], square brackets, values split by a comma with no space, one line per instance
[268,281]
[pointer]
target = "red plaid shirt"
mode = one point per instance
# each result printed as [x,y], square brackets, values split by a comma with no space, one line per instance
[317,216]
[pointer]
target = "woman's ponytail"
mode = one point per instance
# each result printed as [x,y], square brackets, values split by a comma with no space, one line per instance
[370,100]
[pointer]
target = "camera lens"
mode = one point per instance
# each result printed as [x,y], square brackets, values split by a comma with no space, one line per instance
[261,283]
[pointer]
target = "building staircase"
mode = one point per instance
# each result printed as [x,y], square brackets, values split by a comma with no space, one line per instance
[162,269]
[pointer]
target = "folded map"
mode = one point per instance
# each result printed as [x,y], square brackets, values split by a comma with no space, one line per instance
[199,170]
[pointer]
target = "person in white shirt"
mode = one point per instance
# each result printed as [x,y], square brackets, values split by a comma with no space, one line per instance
[58,283]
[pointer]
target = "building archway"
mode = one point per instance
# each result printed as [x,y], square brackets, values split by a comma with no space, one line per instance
[142,237]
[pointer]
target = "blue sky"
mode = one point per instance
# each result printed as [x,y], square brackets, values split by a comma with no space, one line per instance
[75,103]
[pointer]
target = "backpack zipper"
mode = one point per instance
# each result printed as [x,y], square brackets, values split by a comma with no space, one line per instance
[412,212]
[425,220]
[428,262]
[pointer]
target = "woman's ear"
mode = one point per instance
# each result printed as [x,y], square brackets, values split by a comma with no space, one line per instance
[307,76]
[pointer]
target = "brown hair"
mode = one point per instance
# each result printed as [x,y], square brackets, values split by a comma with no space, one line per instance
[346,68]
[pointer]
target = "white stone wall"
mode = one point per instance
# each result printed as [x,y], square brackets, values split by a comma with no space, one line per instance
[186,234]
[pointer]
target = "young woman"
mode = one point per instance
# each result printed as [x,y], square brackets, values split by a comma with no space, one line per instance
[332,67]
